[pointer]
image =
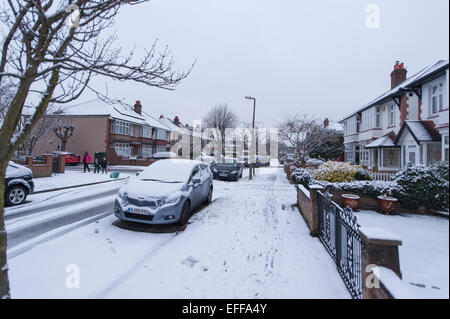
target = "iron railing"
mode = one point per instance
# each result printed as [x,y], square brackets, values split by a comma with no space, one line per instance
[338,231]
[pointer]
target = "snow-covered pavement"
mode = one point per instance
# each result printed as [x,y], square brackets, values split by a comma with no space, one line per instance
[249,243]
[424,251]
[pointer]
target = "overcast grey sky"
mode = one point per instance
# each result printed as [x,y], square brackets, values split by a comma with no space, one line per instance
[315,57]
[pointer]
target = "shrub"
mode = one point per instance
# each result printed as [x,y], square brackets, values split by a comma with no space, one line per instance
[441,169]
[421,185]
[336,172]
[362,175]
[302,176]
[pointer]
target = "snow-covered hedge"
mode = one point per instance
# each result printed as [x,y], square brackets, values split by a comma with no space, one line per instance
[414,186]
[302,176]
[338,172]
[423,185]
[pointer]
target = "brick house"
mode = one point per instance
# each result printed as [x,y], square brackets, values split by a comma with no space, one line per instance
[125,133]
[407,124]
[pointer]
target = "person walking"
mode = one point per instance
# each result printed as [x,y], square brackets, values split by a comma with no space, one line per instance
[104,165]
[86,160]
[96,166]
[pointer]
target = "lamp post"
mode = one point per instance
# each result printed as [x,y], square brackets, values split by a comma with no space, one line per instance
[250,176]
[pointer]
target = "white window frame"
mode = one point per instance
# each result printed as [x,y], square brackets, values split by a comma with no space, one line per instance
[391,109]
[445,147]
[120,127]
[378,117]
[147,150]
[122,149]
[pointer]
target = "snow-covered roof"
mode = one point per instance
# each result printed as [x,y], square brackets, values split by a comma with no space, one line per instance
[409,82]
[422,131]
[385,141]
[115,109]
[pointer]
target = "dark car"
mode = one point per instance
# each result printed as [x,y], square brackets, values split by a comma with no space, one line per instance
[229,170]
[166,192]
[18,184]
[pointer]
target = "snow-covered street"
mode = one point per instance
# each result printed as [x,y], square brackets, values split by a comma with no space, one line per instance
[249,243]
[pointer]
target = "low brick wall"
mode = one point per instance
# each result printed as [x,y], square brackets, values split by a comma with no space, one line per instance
[304,205]
[42,168]
[114,159]
[370,203]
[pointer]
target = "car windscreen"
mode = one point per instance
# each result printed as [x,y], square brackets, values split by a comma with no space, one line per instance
[167,171]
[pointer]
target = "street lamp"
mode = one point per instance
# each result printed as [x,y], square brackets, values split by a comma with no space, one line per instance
[250,176]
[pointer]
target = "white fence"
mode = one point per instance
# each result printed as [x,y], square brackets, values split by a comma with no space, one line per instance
[383,176]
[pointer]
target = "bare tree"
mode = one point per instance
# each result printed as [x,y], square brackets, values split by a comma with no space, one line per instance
[50,50]
[301,134]
[63,129]
[221,117]
[44,125]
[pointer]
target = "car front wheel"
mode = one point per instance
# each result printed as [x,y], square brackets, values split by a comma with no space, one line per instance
[209,197]
[16,195]
[185,213]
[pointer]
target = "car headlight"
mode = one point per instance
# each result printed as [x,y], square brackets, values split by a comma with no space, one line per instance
[125,199]
[121,193]
[233,172]
[170,201]
[214,170]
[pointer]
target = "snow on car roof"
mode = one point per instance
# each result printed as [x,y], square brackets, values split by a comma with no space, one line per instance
[170,170]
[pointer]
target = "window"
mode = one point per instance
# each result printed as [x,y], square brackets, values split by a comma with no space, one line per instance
[160,148]
[437,98]
[120,127]
[147,132]
[162,135]
[364,156]
[391,157]
[391,115]
[433,153]
[147,151]
[378,117]
[123,149]
[367,121]
[445,146]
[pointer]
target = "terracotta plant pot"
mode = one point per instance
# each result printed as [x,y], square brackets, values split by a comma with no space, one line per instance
[387,204]
[351,201]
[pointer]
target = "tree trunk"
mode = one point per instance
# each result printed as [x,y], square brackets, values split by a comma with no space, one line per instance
[4,282]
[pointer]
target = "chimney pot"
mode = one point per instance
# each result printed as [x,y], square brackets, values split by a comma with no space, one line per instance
[161,116]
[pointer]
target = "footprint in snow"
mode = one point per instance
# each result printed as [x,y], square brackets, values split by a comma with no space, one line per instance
[96,231]
[190,261]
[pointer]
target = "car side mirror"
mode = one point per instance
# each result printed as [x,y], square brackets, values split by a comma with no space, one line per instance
[196,181]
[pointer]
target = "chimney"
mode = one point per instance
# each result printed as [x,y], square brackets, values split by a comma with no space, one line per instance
[161,116]
[176,121]
[138,107]
[398,75]
[326,122]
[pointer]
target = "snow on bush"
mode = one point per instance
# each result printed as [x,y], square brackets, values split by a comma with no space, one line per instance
[338,172]
[423,185]
[302,176]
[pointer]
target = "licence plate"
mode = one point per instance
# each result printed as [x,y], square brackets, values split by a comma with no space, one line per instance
[138,211]
[223,175]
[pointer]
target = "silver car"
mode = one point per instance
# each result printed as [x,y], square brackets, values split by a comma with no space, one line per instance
[166,192]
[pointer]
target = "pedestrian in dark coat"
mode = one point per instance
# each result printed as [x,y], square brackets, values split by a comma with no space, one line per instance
[86,160]
[104,165]
[96,166]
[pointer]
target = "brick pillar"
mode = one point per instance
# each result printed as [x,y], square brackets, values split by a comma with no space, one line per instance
[61,163]
[48,159]
[313,189]
[380,248]
[30,161]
